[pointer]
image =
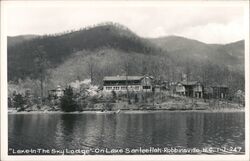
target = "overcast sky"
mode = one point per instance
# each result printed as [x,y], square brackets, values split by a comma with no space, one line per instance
[207,24]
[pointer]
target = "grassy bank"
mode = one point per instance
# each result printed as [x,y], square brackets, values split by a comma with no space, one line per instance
[169,104]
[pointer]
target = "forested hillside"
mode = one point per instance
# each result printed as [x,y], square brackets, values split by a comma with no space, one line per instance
[57,48]
[112,49]
[14,40]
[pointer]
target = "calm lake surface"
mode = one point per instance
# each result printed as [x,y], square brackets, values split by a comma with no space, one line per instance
[181,130]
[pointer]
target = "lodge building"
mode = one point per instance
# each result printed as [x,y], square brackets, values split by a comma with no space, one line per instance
[217,91]
[190,89]
[130,83]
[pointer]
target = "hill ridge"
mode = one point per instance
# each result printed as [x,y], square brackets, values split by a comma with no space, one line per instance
[108,44]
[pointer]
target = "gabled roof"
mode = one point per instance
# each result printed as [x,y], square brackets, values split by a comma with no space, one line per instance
[115,78]
[218,85]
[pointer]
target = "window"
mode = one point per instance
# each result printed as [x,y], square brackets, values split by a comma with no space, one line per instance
[123,88]
[137,88]
[146,87]
[116,88]
[108,88]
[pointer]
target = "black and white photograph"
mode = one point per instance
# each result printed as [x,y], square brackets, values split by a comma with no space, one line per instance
[138,79]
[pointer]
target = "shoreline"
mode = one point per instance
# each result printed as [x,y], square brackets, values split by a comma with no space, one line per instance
[129,111]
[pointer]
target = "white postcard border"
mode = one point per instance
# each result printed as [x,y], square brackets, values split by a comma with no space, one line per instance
[4,121]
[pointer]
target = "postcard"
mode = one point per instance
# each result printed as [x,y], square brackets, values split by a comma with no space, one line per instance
[125,80]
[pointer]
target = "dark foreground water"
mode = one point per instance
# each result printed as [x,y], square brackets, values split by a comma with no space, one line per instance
[127,133]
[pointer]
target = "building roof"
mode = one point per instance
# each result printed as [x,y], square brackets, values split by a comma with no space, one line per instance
[219,86]
[115,78]
[58,88]
[189,82]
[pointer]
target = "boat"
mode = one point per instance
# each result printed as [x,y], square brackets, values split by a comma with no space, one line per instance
[118,111]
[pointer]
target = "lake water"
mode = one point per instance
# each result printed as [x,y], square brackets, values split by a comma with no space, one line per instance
[128,133]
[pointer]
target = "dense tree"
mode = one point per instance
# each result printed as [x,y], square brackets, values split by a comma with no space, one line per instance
[18,101]
[114,96]
[68,104]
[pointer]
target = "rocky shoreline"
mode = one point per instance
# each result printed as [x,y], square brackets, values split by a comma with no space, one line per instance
[141,108]
[123,111]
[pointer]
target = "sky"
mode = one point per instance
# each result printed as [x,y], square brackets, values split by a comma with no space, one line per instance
[212,24]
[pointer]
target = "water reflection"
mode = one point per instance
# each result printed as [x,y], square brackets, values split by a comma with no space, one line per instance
[165,129]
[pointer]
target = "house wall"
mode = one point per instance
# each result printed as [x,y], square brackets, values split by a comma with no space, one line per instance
[180,89]
[190,90]
[220,92]
[198,91]
[118,88]
[198,88]
[144,85]
[57,93]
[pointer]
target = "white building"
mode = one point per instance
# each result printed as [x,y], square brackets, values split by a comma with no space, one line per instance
[58,92]
[130,83]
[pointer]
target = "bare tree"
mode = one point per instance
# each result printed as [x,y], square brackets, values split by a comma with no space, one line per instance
[188,72]
[91,68]
[126,70]
[42,65]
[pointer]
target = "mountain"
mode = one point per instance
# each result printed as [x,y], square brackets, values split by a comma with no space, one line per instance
[14,40]
[59,47]
[236,49]
[113,49]
[229,55]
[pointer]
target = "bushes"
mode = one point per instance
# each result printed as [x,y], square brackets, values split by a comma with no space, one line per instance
[114,96]
[108,106]
[136,98]
[19,101]
[68,103]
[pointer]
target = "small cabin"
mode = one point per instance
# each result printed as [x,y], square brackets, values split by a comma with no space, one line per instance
[190,89]
[220,91]
[57,92]
[216,91]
